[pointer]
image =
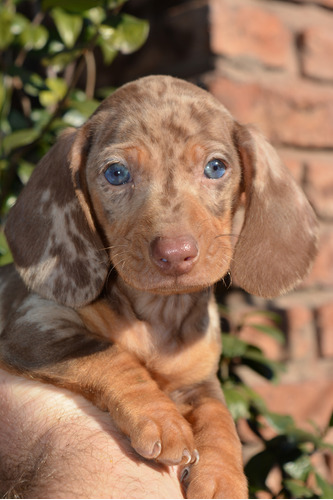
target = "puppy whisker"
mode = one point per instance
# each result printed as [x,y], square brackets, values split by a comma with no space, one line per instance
[226,235]
[112,247]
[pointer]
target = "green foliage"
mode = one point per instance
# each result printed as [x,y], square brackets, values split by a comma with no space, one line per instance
[46,48]
[291,448]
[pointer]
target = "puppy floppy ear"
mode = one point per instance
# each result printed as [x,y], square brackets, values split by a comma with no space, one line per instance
[51,232]
[278,239]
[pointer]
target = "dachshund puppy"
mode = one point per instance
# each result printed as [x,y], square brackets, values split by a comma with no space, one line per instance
[118,239]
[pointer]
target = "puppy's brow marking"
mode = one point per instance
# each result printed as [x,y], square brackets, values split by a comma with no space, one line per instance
[112,292]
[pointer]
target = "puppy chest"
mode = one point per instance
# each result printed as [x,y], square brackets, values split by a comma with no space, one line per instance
[172,359]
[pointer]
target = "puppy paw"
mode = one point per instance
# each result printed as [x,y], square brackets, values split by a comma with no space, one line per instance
[200,481]
[168,440]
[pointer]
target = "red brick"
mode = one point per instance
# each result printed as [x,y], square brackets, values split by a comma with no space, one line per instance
[301,334]
[294,162]
[322,271]
[319,185]
[245,100]
[316,56]
[325,324]
[300,114]
[302,400]
[249,31]
[292,112]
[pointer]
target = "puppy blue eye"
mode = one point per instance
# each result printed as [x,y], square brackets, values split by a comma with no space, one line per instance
[117,174]
[215,169]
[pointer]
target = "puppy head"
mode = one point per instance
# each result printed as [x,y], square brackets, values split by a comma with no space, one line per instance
[149,186]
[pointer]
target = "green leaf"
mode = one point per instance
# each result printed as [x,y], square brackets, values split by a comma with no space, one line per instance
[131,34]
[10,201]
[25,170]
[321,445]
[85,108]
[262,365]
[61,60]
[19,138]
[96,15]
[113,4]
[106,42]
[6,33]
[297,489]
[301,436]
[254,398]
[40,118]
[34,85]
[240,398]
[105,92]
[3,165]
[33,37]
[326,488]
[3,92]
[57,91]
[5,255]
[107,33]
[299,468]
[74,118]
[78,6]
[19,23]
[68,25]
[237,402]
[233,346]
[281,423]
[108,52]
[55,46]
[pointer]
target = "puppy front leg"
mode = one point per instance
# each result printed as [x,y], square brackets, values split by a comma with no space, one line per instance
[114,380]
[219,472]
[64,353]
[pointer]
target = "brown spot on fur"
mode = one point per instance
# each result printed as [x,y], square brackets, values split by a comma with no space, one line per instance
[169,186]
[165,201]
[176,207]
[178,132]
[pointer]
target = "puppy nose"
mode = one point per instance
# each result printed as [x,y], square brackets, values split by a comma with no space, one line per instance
[174,256]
